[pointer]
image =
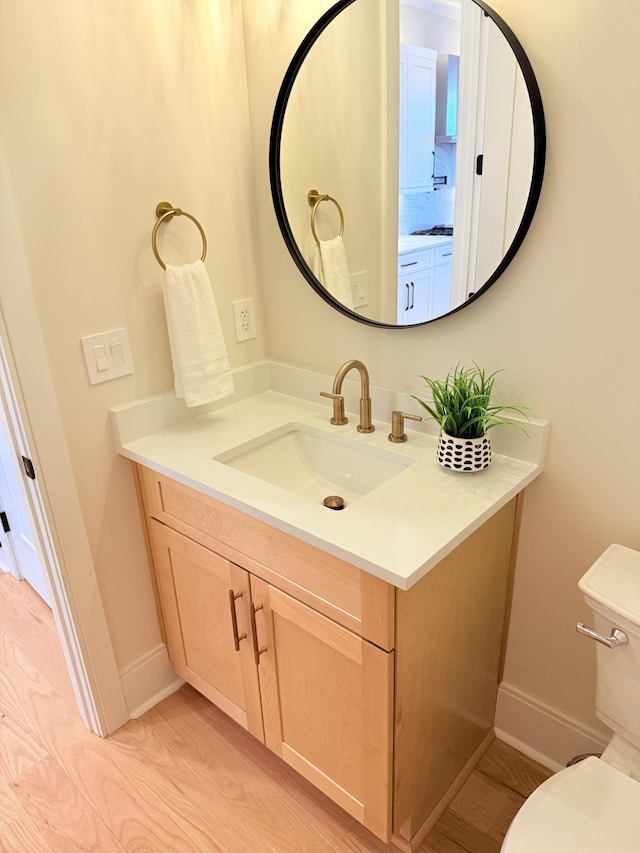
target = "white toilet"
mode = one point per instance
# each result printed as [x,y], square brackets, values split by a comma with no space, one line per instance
[594,805]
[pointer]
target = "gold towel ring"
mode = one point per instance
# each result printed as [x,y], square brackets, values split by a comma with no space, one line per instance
[166,211]
[315,199]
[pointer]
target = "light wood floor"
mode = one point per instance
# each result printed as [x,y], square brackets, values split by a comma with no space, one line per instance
[183,777]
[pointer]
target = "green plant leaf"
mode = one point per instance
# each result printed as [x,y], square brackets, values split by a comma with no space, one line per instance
[461,403]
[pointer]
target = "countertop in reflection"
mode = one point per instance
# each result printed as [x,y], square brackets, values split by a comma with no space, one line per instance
[411,242]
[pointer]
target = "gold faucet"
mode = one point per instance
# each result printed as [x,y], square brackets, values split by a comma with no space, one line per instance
[339,418]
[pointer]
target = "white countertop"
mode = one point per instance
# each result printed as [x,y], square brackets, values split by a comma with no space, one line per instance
[412,242]
[398,532]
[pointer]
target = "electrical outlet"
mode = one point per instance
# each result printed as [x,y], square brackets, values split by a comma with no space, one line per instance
[245,319]
[360,289]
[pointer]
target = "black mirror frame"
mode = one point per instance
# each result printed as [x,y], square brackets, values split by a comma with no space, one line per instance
[539,157]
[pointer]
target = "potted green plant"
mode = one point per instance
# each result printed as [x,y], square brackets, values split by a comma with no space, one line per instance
[461,405]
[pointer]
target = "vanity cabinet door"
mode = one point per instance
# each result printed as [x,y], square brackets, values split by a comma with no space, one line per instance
[199,594]
[327,701]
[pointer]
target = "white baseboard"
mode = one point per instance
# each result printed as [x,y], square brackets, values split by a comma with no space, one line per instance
[535,729]
[149,680]
[542,732]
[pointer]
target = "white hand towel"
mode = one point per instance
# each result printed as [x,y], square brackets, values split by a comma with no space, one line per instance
[334,271]
[198,352]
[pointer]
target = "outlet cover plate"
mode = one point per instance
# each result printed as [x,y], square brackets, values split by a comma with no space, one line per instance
[245,320]
[360,289]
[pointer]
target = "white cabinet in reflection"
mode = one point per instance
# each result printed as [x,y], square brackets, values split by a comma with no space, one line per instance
[424,284]
[441,293]
[417,116]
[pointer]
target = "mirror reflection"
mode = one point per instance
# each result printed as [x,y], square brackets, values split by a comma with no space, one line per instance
[410,157]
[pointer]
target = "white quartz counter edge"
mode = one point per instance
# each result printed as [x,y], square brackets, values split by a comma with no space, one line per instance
[397,532]
[413,242]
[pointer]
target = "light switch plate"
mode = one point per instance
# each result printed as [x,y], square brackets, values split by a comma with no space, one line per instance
[107,355]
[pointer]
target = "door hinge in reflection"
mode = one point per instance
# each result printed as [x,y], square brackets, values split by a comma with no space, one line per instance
[5,522]
[29,470]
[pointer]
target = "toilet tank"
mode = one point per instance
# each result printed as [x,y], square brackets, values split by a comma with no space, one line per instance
[611,588]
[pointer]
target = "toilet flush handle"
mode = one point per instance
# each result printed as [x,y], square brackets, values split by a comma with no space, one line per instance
[617,638]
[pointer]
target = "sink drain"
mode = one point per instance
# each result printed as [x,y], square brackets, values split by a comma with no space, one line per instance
[334,502]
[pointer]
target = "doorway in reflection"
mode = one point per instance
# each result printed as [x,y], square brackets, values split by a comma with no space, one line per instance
[429,33]
[463,139]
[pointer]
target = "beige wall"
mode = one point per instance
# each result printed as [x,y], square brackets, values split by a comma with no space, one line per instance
[563,320]
[107,108]
[322,113]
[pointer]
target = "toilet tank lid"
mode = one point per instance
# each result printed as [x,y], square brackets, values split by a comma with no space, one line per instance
[614,581]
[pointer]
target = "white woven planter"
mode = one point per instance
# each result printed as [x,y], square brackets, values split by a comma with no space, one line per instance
[464,454]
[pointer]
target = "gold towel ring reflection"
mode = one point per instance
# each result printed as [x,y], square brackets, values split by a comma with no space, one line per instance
[166,212]
[315,199]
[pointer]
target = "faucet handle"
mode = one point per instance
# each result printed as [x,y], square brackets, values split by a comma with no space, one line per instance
[397,434]
[338,418]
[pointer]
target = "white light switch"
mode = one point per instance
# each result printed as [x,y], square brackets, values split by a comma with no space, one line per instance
[117,353]
[100,357]
[107,355]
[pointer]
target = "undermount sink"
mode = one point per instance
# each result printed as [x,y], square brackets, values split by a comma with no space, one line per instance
[314,464]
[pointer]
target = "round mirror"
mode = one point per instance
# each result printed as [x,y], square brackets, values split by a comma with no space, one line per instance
[406,156]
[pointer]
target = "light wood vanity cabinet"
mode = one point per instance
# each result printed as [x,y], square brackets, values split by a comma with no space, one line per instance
[383,699]
[194,587]
[327,704]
